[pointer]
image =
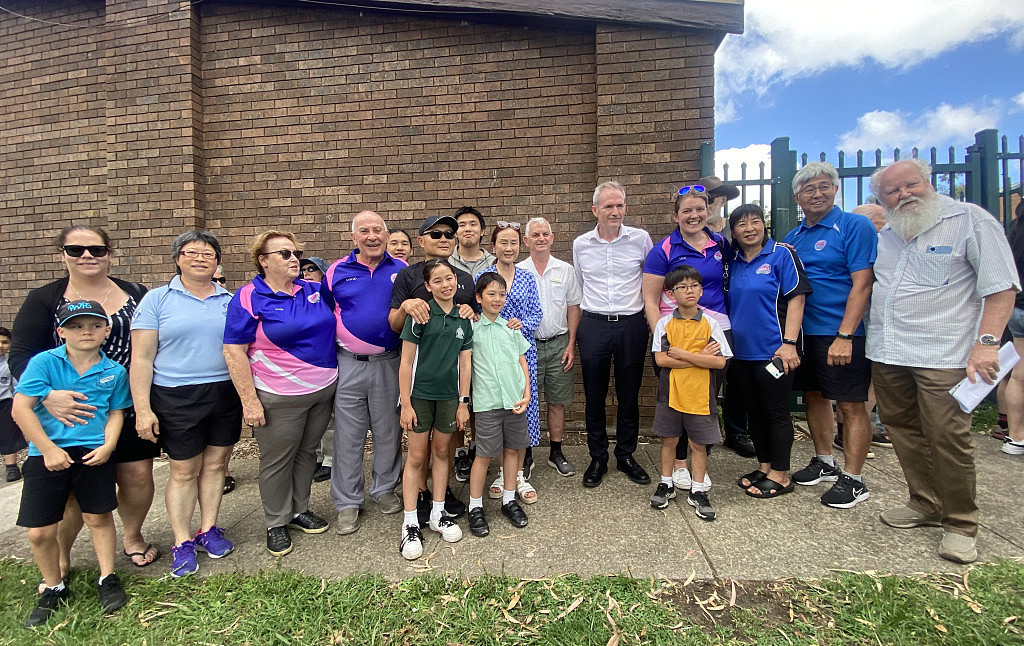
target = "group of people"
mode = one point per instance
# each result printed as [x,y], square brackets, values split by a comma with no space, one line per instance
[469,339]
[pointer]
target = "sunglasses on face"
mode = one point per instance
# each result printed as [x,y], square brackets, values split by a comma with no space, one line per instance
[308,269]
[696,188]
[285,253]
[221,280]
[447,234]
[76,250]
[508,225]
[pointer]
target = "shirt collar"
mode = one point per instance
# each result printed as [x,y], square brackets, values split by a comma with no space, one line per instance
[436,309]
[698,316]
[177,286]
[262,287]
[486,321]
[61,351]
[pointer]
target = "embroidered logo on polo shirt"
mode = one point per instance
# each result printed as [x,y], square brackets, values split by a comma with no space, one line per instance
[107,379]
[393,277]
[314,298]
[764,269]
[459,334]
[718,256]
[819,245]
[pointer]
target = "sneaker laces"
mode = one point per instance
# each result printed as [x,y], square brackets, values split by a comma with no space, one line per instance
[701,497]
[411,534]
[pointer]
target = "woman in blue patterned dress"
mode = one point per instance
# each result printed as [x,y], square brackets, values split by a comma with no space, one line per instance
[522,309]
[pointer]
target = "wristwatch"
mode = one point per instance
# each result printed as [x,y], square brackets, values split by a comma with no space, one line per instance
[843,335]
[463,400]
[789,341]
[988,339]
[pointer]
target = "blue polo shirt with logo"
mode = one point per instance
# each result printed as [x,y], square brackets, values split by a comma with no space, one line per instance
[105,386]
[759,292]
[363,302]
[831,250]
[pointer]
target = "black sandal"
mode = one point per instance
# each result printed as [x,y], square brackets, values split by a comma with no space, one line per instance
[229,484]
[753,478]
[769,488]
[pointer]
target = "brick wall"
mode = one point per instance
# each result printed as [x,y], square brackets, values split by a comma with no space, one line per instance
[148,119]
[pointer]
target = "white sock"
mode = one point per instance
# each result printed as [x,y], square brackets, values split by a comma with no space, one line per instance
[412,519]
[436,509]
[476,502]
[827,459]
[666,480]
[507,496]
[58,587]
[857,477]
[699,487]
[101,579]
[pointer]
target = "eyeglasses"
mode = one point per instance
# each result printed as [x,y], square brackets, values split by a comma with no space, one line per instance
[437,234]
[308,269]
[687,288]
[285,253]
[696,188]
[221,280]
[205,255]
[809,191]
[76,250]
[508,225]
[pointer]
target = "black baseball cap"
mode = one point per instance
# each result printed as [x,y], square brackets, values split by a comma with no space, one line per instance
[74,309]
[439,219]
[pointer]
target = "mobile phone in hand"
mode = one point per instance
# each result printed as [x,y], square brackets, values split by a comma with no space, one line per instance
[775,367]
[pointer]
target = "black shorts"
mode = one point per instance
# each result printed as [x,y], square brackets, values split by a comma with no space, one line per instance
[194,417]
[45,493]
[131,447]
[11,439]
[847,383]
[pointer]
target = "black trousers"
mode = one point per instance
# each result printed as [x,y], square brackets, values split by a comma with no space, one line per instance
[766,401]
[603,343]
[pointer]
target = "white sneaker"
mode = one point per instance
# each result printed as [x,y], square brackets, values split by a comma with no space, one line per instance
[1013,448]
[412,543]
[447,528]
[682,479]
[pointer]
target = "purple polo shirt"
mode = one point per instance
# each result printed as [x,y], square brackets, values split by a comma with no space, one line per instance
[290,336]
[673,252]
[362,299]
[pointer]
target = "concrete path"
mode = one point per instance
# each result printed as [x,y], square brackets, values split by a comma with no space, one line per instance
[610,529]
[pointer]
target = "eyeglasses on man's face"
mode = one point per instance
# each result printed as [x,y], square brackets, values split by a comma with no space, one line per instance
[824,189]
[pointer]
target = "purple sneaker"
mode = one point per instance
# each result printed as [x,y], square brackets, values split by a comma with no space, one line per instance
[184,559]
[213,543]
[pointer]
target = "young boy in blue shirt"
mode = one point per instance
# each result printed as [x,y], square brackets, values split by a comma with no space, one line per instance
[690,345]
[64,460]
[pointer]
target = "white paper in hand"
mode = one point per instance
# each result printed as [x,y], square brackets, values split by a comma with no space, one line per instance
[969,395]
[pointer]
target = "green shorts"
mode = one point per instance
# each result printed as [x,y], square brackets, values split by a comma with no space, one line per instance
[438,415]
[557,384]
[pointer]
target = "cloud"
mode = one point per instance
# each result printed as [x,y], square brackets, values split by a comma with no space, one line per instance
[790,39]
[941,126]
[752,155]
[1019,100]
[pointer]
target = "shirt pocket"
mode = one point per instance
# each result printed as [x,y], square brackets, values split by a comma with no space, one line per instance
[931,269]
[559,291]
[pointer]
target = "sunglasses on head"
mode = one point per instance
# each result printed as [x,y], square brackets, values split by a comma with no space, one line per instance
[76,250]
[285,253]
[221,280]
[696,188]
[436,234]
[508,225]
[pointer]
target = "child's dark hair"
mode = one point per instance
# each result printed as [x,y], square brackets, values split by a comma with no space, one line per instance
[488,277]
[432,264]
[681,273]
[5,332]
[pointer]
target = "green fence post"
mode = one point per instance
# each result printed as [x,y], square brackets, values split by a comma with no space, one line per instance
[783,205]
[986,145]
[707,159]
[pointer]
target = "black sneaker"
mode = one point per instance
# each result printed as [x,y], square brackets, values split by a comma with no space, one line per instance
[701,504]
[662,495]
[815,472]
[309,523]
[322,473]
[845,493]
[515,514]
[423,502]
[478,522]
[452,505]
[48,602]
[463,464]
[879,438]
[527,467]
[837,441]
[279,542]
[563,466]
[13,473]
[112,596]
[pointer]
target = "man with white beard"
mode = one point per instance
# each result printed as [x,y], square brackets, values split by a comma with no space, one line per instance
[944,288]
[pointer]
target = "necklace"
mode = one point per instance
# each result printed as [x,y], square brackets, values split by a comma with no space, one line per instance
[79,296]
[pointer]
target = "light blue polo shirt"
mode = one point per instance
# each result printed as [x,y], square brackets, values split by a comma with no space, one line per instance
[105,386]
[831,250]
[190,345]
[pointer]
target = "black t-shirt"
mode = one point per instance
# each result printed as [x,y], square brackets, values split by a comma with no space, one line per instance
[409,284]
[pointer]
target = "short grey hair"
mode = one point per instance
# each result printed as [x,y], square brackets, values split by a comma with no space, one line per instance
[193,236]
[538,221]
[876,177]
[368,212]
[814,169]
[604,186]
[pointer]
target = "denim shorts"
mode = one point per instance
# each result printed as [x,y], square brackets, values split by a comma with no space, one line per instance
[1016,324]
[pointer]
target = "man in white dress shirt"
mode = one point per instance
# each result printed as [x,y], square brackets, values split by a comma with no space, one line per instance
[609,262]
[560,297]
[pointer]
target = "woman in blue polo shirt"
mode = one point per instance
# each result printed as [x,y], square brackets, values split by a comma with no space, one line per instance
[280,349]
[184,397]
[767,290]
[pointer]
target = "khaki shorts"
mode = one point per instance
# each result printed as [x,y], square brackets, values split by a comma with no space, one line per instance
[558,385]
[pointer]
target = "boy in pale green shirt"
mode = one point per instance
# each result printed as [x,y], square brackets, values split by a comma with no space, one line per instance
[501,392]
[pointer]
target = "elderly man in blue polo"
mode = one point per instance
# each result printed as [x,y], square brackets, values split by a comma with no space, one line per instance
[838,250]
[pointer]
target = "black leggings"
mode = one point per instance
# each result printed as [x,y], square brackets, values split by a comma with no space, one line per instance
[766,400]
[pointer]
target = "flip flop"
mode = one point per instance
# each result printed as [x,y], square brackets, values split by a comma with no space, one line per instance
[753,477]
[770,489]
[131,556]
[229,484]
